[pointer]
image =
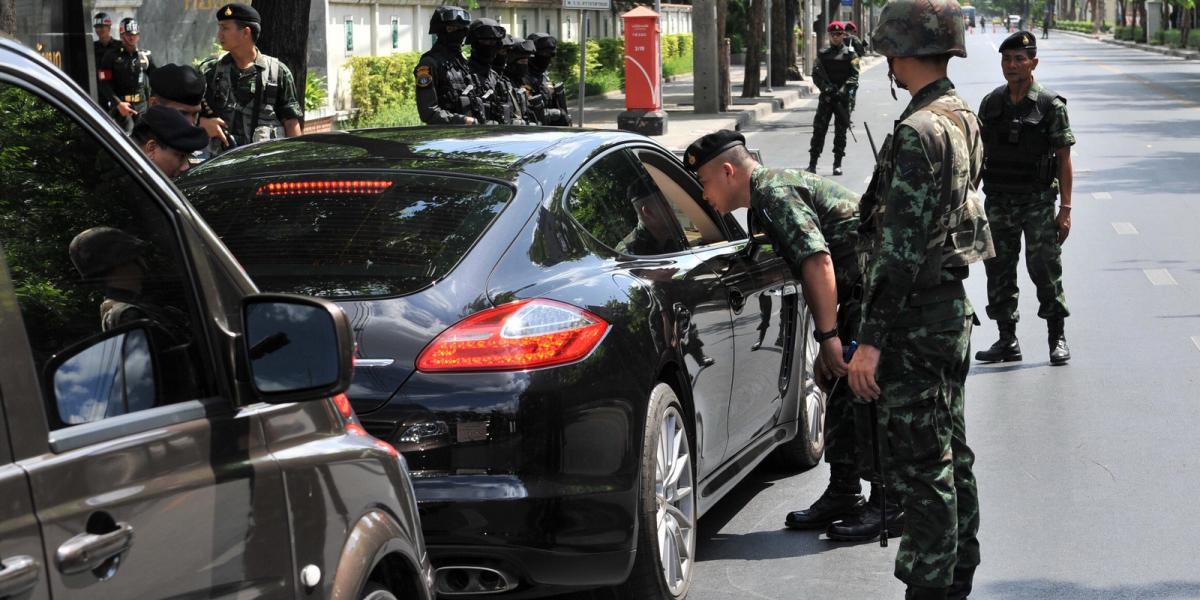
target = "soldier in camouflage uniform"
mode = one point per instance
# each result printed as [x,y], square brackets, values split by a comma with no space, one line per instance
[254,94]
[922,225]
[860,47]
[836,75]
[787,214]
[118,261]
[1027,143]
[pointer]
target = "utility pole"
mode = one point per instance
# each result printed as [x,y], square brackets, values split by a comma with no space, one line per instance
[810,42]
[769,39]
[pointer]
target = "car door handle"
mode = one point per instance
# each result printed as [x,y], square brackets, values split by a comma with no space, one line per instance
[17,575]
[87,551]
[787,289]
[683,316]
[736,299]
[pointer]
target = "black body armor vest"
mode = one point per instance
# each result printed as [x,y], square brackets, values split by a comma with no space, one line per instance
[1018,158]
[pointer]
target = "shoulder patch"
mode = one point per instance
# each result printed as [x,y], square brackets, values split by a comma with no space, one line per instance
[424,76]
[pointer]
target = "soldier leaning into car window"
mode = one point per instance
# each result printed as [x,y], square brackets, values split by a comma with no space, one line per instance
[732,179]
[125,76]
[255,94]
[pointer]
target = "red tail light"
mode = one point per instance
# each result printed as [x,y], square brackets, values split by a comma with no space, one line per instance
[356,187]
[526,334]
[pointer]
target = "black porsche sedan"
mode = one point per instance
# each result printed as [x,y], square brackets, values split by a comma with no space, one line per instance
[576,355]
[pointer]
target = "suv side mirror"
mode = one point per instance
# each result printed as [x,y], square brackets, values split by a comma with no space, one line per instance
[296,347]
[105,376]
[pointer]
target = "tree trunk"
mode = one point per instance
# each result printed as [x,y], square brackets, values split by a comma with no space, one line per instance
[1185,26]
[8,17]
[1096,16]
[754,42]
[1120,13]
[793,18]
[285,36]
[723,69]
[779,53]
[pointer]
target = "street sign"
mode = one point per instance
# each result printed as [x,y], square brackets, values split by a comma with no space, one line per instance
[847,2]
[587,5]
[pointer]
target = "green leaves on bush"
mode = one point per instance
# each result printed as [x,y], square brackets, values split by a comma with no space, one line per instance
[378,83]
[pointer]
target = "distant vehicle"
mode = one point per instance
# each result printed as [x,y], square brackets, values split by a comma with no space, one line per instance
[166,431]
[575,353]
[969,15]
[1014,21]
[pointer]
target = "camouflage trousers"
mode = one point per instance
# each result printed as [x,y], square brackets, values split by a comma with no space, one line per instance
[922,373]
[829,107]
[847,447]
[1010,217]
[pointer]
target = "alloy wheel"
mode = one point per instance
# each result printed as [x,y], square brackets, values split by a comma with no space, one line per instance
[676,502]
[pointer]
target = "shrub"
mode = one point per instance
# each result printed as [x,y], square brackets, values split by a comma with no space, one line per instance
[314,92]
[402,115]
[611,54]
[378,83]
[1079,26]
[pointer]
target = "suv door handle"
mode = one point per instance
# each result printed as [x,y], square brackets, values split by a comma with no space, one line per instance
[17,575]
[87,551]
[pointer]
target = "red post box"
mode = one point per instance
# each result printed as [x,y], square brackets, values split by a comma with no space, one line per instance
[643,91]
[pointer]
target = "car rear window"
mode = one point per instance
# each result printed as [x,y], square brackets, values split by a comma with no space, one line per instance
[348,237]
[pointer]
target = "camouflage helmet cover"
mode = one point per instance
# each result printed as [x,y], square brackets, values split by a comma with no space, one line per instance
[94,251]
[920,28]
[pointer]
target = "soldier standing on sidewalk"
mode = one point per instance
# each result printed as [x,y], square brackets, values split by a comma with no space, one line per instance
[446,90]
[104,43]
[254,93]
[922,227]
[1027,143]
[836,75]
[549,101]
[125,76]
[485,37]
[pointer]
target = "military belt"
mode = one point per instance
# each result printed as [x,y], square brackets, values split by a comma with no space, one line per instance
[133,99]
[949,290]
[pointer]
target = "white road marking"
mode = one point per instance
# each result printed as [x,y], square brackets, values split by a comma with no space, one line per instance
[1160,277]
[1102,195]
[1196,341]
[1125,228]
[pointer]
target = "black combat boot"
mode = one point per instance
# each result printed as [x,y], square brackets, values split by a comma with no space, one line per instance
[812,164]
[1006,349]
[961,588]
[1060,353]
[837,165]
[865,527]
[842,500]
[919,592]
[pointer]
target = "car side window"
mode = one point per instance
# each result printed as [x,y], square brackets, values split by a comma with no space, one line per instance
[97,270]
[684,197]
[616,204]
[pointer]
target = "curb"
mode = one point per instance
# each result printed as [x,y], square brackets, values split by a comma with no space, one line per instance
[1163,50]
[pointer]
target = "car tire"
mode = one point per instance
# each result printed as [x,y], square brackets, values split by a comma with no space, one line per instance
[666,550]
[375,591]
[804,451]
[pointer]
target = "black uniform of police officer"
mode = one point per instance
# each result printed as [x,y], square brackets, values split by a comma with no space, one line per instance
[485,37]
[125,76]
[836,75]
[549,103]
[257,103]
[446,89]
[103,44]
[516,73]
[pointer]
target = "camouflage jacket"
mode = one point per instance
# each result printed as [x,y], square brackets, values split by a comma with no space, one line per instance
[784,202]
[785,214]
[902,208]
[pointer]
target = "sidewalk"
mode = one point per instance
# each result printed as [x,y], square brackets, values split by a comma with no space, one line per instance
[1107,38]
[683,124]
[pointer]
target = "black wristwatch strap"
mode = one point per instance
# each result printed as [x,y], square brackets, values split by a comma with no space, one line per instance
[821,336]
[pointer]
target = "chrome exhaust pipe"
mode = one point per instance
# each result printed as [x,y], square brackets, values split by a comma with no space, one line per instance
[470,580]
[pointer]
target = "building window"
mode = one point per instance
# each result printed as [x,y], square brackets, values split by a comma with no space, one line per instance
[548,30]
[587,25]
[567,33]
[524,27]
[395,33]
[349,35]
[605,27]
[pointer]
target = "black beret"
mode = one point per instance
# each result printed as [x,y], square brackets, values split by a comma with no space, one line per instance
[238,12]
[710,146]
[179,83]
[173,129]
[1021,40]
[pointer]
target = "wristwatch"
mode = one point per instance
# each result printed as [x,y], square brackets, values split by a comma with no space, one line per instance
[821,336]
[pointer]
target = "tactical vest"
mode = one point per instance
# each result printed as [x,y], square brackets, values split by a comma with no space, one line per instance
[1018,157]
[258,118]
[838,64]
[961,235]
[129,79]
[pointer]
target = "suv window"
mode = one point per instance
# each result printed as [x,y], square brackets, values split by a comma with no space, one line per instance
[355,236]
[618,206]
[96,268]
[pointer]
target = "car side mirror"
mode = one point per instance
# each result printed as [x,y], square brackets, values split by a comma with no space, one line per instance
[296,347]
[105,376]
[755,245]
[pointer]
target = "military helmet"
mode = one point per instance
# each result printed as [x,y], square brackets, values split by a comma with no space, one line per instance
[448,15]
[920,28]
[485,29]
[544,43]
[521,49]
[129,25]
[94,251]
[101,20]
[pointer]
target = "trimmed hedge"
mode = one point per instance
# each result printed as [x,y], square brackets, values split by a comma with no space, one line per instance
[1078,26]
[1172,38]
[1131,34]
[379,83]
